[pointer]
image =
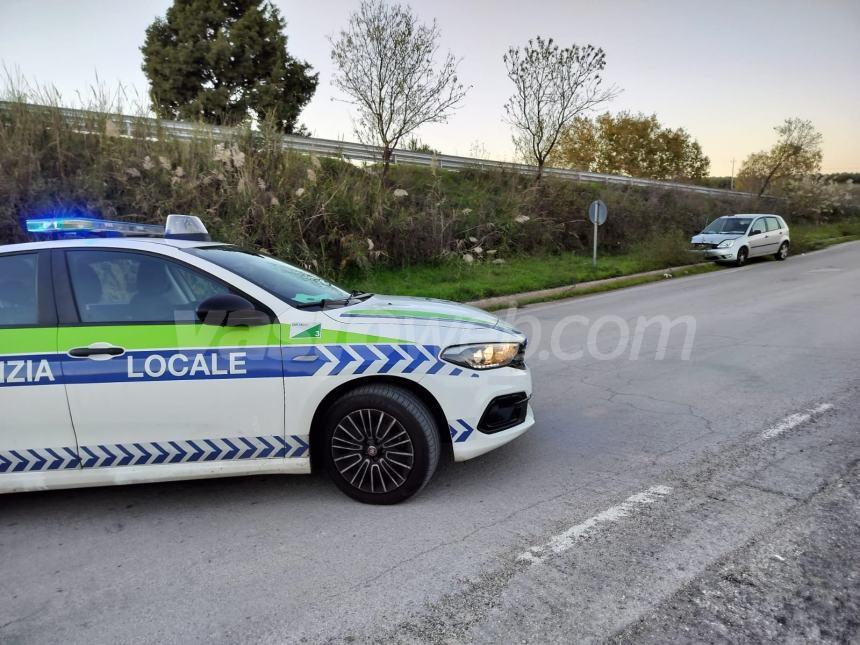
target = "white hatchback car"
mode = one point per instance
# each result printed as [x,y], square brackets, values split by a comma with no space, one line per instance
[141,359]
[736,238]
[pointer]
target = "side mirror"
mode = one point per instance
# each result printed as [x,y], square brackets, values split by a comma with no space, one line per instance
[229,310]
[756,231]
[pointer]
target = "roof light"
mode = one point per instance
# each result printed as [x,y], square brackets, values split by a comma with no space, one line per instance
[75,227]
[186,227]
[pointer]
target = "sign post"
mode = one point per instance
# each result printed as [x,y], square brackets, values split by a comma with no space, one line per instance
[597,214]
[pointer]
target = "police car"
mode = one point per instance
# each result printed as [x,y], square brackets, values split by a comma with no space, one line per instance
[137,353]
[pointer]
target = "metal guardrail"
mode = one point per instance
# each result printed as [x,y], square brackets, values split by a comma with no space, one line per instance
[132,126]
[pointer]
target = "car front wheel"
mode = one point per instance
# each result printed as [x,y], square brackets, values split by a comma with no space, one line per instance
[742,256]
[381,444]
[783,252]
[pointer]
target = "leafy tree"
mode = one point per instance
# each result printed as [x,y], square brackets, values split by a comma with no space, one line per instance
[386,64]
[635,145]
[796,153]
[225,60]
[552,87]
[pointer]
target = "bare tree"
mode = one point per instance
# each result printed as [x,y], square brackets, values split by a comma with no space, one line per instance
[795,154]
[553,86]
[386,62]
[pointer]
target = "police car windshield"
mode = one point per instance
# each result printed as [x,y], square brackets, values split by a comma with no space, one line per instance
[728,225]
[289,283]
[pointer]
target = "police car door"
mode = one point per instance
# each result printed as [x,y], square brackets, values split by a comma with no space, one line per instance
[149,385]
[35,428]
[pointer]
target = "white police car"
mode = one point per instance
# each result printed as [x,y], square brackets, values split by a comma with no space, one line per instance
[138,359]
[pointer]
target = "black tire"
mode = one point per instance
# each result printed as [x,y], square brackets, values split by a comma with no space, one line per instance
[742,257]
[381,445]
[783,252]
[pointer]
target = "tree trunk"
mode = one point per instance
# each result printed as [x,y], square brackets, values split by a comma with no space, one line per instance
[387,154]
[770,176]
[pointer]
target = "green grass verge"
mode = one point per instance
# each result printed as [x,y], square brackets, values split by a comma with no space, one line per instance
[456,280]
[811,237]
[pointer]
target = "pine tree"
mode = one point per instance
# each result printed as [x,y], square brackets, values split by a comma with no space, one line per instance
[225,60]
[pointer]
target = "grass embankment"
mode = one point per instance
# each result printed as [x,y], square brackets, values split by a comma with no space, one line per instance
[415,234]
[328,215]
[811,237]
[455,280]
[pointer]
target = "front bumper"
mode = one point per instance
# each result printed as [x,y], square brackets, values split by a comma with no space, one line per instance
[718,255]
[480,443]
[465,399]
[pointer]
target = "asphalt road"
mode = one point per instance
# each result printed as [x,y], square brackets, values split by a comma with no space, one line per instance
[654,500]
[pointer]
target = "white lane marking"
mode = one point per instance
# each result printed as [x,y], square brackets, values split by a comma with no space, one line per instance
[565,540]
[794,420]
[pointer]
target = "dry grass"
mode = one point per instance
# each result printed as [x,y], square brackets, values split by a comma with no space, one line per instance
[324,214]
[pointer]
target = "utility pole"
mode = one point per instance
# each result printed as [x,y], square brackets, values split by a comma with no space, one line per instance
[733,174]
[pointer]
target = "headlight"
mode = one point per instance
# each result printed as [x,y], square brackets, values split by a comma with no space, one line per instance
[726,244]
[483,356]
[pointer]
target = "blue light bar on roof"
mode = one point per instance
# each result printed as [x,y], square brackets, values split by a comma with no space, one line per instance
[60,227]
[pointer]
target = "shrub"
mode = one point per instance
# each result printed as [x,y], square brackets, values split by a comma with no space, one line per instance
[325,214]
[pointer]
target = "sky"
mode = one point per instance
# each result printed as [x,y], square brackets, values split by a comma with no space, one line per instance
[727,72]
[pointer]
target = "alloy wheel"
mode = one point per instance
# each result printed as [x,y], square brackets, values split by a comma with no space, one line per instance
[372,451]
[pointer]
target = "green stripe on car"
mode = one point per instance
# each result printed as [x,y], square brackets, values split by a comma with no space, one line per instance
[163,336]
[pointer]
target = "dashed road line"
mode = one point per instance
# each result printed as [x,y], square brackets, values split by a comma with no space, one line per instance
[568,538]
[793,420]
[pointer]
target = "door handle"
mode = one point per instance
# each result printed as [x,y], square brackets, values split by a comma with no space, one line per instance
[97,351]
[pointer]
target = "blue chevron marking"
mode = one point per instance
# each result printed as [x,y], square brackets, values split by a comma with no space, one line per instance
[283,448]
[232,452]
[433,350]
[162,453]
[393,356]
[39,462]
[367,354]
[456,372]
[180,453]
[38,459]
[417,356]
[453,430]
[128,456]
[216,450]
[145,454]
[110,457]
[250,451]
[74,460]
[302,448]
[198,451]
[56,463]
[342,356]
[269,448]
[152,453]
[92,460]
[468,430]
[22,462]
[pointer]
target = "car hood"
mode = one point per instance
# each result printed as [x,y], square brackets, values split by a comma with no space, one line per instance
[713,238]
[418,311]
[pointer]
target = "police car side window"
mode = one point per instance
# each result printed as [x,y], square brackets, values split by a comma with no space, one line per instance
[19,302]
[128,287]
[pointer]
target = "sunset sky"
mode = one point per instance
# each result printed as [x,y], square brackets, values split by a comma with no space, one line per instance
[728,72]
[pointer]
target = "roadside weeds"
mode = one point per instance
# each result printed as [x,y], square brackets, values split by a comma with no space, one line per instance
[621,282]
